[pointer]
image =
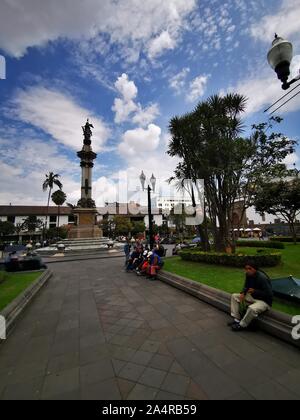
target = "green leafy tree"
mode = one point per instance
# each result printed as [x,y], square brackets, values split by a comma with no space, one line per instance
[59,198]
[123,225]
[108,228]
[48,184]
[61,232]
[138,227]
[209,143]
[7,228]
[280,198]
[31,223]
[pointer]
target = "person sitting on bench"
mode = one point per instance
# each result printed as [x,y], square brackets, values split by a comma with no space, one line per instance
[256,297]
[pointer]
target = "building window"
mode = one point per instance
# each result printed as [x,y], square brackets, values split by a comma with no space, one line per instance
[263,218]
[53,222]
[11,219]
[71,219]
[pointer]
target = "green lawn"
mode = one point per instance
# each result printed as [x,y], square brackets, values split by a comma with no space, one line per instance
[232,279]
[13,285]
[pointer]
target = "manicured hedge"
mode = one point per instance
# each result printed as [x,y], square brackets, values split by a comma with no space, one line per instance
[261,244]
[284,239]
[232,260]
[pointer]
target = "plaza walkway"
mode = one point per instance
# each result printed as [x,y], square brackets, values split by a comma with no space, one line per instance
[96,332]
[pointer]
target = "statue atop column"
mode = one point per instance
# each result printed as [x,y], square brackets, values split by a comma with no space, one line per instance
[87,132]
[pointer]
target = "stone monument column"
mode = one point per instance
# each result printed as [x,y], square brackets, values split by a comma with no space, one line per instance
[87,157]
[86,208]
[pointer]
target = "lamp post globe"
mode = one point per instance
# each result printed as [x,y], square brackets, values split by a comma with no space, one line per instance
[280,57]
[153,182]
[143,180]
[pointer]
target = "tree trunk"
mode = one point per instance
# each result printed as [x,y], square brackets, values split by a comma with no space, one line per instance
[47,215]
[58,216]
[293,232]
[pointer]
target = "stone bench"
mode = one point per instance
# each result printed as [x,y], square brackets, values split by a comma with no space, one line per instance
[273,322]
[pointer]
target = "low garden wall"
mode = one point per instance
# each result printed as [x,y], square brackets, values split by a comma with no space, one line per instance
[273,322]
[16,308]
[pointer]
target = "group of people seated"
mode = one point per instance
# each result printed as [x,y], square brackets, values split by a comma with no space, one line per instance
[144,262]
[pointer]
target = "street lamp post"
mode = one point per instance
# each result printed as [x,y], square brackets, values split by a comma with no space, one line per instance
[149,189]
[280,57]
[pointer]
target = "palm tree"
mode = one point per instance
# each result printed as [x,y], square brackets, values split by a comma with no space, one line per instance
[50,181]
[209,145]
[58,198]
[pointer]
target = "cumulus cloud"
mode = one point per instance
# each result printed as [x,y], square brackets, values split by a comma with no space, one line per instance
[140,141]
[125,108]
[144,117]
[130,22]
[58,115]
[285,22]
[197,88]
[23,166]
[178,82]
[158,45]
[266,89]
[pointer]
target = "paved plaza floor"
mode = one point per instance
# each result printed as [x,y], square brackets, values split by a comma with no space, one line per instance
[95,332]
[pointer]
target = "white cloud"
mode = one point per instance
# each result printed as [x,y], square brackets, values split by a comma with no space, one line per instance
[144,117]
[178,82]
[158,45]
[58,115]
[266,90]
[125,108]
[197,88]
[140,141]
[291,159]
[23,167]
[285,22]
[126,88]
[23,24]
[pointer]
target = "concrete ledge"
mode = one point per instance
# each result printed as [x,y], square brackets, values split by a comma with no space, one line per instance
[14,310]
[275,323]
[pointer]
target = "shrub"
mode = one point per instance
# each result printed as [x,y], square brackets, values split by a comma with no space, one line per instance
[232,260]
[284,239]
[261,244]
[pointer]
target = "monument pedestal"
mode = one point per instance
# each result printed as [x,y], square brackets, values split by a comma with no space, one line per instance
[87,227]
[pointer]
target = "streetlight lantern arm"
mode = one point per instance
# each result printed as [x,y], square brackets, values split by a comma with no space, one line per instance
[279,58]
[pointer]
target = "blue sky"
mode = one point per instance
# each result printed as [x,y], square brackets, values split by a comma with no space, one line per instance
[129,66]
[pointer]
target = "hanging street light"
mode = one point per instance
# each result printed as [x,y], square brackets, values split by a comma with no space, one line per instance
[280,57]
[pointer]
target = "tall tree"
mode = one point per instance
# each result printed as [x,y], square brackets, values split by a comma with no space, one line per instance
[208,141]
[58,198]
[6,228]
[49,182]
[123,225]
[31,223]
[280,198]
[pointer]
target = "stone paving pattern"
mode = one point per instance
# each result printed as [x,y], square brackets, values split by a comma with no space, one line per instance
[96,332]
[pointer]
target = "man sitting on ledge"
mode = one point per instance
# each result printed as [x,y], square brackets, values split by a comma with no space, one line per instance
[257,297]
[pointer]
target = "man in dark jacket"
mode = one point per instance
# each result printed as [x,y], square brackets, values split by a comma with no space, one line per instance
[257,297]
